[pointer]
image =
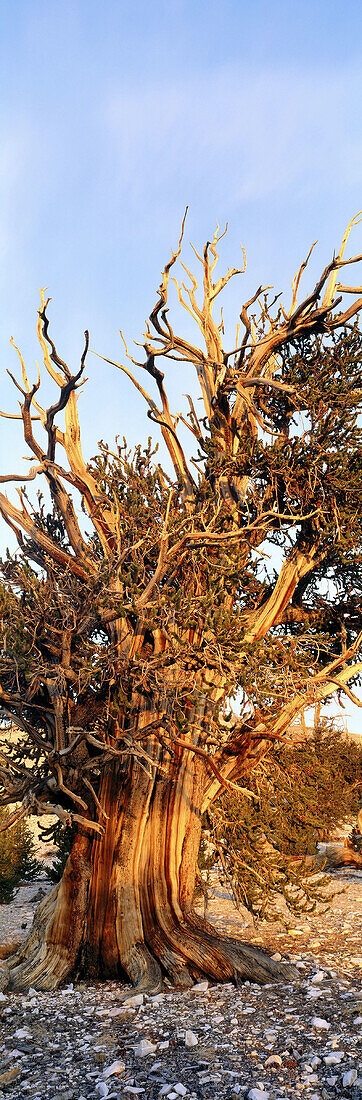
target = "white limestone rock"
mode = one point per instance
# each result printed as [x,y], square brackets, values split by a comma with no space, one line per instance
[102,1089]
[144,1048]
[134,999]
[191,1040]
[334,1059]
[349,1078]
[117,1067]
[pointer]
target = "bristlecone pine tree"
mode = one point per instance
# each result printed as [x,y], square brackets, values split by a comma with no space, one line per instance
[128,630]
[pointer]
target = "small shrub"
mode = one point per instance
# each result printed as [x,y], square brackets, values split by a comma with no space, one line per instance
[16,856]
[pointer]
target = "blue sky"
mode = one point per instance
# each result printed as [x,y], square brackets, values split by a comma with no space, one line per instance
[114,116]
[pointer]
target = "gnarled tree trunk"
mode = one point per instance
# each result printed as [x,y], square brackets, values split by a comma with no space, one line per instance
[124,906]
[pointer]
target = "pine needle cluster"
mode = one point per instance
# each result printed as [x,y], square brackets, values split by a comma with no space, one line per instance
[266,847]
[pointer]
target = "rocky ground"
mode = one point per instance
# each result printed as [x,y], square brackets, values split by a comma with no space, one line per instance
[279,1041]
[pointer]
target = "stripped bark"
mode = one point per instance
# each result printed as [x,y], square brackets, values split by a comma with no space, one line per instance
[125,904]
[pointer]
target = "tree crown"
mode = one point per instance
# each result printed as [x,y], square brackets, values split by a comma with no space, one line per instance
[240,573]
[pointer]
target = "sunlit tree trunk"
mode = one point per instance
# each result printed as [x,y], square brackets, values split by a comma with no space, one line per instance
[124,907]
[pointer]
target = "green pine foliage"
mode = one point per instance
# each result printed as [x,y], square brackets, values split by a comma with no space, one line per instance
[63,836]
[17,859]
[264,844]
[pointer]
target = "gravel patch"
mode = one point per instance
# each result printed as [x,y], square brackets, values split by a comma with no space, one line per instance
[262,1043]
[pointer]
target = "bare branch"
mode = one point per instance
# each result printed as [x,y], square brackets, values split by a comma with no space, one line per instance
[331,285]
[223,781]
[297,277]
[21,519]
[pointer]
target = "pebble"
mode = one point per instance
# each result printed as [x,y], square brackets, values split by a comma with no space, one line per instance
[320,1024]
[116,1067]
[191,1039]
[349,1078]
[318,977]
[144,1048]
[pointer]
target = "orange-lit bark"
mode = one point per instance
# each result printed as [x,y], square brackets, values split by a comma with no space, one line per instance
[124,907]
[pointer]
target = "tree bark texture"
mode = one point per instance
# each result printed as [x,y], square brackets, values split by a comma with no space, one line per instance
[124,907]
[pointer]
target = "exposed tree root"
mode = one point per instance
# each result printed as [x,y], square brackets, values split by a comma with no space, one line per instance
[144,971]
[49,952]
[196,953]
[203,953]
